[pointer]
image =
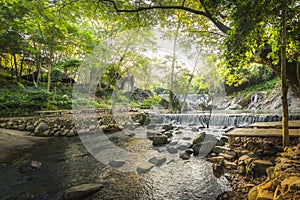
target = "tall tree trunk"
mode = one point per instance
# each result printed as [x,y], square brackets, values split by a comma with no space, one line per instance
[171,94]
[51,53]
[285,111]
[16,67]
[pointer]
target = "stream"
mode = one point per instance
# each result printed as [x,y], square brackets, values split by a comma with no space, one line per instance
[66,163]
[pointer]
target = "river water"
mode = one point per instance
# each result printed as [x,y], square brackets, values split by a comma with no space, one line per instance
[66,163]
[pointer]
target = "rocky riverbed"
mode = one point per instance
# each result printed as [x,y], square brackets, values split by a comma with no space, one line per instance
[255,168]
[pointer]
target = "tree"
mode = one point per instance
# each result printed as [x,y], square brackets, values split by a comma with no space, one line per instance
[284,84]
[248,36]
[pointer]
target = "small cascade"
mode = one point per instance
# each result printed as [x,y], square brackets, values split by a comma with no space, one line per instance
[222,119]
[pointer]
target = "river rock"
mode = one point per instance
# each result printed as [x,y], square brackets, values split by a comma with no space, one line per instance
[22,127]
[203,147]
[30,166]
[158,160]
[41,127]
[178,132]
[168,134]
[116,163]
[168,127]
[217,159]
[183,147]
[144,168]
[184,156]
[172,150]
[218,149]
[230,165]
[259,166]
[159,140]
[81,191]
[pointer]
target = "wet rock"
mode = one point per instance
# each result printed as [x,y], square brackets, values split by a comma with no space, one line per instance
[159,140]
[41,127]
[81,191]
[218,149]
[199,138]
[172,150]
[183,147]
[144,168]
[203,148]
[30,166]
[189,151]
[168,127]
[185,156]
[220,143]
[178,132]
[168,134]
[158,160]
[116,163]
[194,129]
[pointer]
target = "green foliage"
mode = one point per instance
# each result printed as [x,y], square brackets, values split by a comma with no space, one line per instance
[151,101]
[265,86]
[15,102]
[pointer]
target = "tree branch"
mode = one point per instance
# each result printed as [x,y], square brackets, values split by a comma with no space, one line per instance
[222,27]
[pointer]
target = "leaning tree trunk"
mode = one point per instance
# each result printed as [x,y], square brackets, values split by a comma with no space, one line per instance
[285,111]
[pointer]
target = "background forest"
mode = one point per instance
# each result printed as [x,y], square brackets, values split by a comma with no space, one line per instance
[43,43]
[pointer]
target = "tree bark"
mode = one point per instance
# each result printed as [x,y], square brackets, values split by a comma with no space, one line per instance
[285,111]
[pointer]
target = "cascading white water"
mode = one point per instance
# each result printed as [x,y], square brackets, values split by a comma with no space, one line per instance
[222,119]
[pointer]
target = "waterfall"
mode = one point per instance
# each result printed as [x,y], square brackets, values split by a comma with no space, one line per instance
[222,119]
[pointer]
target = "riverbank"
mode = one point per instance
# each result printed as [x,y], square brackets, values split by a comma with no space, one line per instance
[259,169]
[13,141]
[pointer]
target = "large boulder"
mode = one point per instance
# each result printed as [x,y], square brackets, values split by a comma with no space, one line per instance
[41,127]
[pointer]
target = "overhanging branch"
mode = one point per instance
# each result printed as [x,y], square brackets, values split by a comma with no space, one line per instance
[220,25]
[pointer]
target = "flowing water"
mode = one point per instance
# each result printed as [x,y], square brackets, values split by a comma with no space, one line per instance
[67,163]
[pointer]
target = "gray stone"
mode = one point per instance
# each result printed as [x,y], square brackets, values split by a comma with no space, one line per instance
[144,168]
[168,127]
[194,129]
[172,150]
[218,149]
[158,160]
[159,140]
[178,132]
[81,191]
[116,163]
[22,127]
[183,147]
[168,134]
[41,128]
[29,128]
[203,148]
